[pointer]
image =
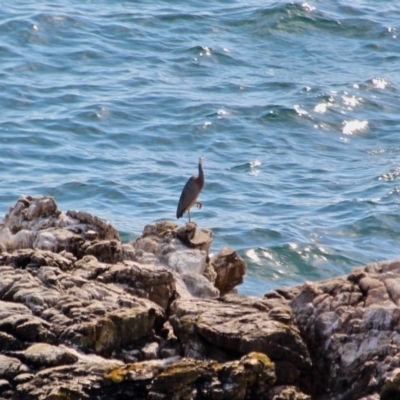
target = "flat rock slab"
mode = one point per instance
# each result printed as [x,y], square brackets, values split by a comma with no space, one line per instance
[237,325]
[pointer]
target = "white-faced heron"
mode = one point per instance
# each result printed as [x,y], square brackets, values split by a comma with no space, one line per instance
[191,192]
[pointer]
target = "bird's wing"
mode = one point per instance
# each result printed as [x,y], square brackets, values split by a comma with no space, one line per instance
[188,197]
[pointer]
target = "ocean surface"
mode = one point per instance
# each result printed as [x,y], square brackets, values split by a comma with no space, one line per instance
[295,106]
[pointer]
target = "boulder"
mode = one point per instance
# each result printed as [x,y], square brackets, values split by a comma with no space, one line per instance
[229,268]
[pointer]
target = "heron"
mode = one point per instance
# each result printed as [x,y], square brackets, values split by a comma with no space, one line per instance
[191,192]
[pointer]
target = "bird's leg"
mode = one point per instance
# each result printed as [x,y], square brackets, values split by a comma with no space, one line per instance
[198,204]
[189,215]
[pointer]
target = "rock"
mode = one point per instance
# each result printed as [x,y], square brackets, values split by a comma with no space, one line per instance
[57,240]
[237,325]
[34,258]
[72,310]
[92,226]
[107,251]
[4,385]
[250,377]
[199,286]
[32,213]
[151,351]
[287,393]
[82,380]
[84,316]
[35,221]
[18,322]
[350,327]
[46,355]
[11,367]
[155,283]
[230,269]
[196,379]
[22,378]
[183,251]
[195,238]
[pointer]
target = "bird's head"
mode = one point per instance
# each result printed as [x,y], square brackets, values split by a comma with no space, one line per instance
[201,160]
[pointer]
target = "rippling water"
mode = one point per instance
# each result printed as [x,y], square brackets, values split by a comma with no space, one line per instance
[107,106]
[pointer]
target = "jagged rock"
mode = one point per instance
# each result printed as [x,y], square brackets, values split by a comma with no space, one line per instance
[184,251]
[350,325]
[92,227]
[107,251]
[155,283]
[229,268]
[85,294]
[34,258]
[78,381]
[237,325]
[72,309]
[196,379]
[17,321]
[194,237]
[36,222]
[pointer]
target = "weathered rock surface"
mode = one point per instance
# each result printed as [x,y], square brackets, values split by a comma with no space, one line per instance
[84,316]
[228,328]
[184,252]
[351,326]
[229,268]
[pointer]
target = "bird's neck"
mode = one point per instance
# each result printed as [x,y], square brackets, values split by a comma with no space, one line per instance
[201,175]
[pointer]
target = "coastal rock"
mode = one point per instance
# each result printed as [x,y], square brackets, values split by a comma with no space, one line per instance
[92,377]
[184,252]
[10,367]
[107,251]
[235,325]
[36,222]
[46,304]
[195,238]
[229,268]
[152,282]
[84,316]
[350,325]
[46,355]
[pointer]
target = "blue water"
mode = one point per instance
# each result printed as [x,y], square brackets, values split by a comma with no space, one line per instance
[107,106]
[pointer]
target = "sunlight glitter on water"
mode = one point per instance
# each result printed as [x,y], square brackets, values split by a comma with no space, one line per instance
[350,127]
[379,83]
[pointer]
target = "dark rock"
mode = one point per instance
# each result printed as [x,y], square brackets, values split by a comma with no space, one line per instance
[230,269]
[194,237]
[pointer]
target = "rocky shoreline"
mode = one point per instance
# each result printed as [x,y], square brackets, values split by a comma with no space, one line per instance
[84,316]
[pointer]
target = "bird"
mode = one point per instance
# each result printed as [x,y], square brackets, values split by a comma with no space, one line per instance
[191,192]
